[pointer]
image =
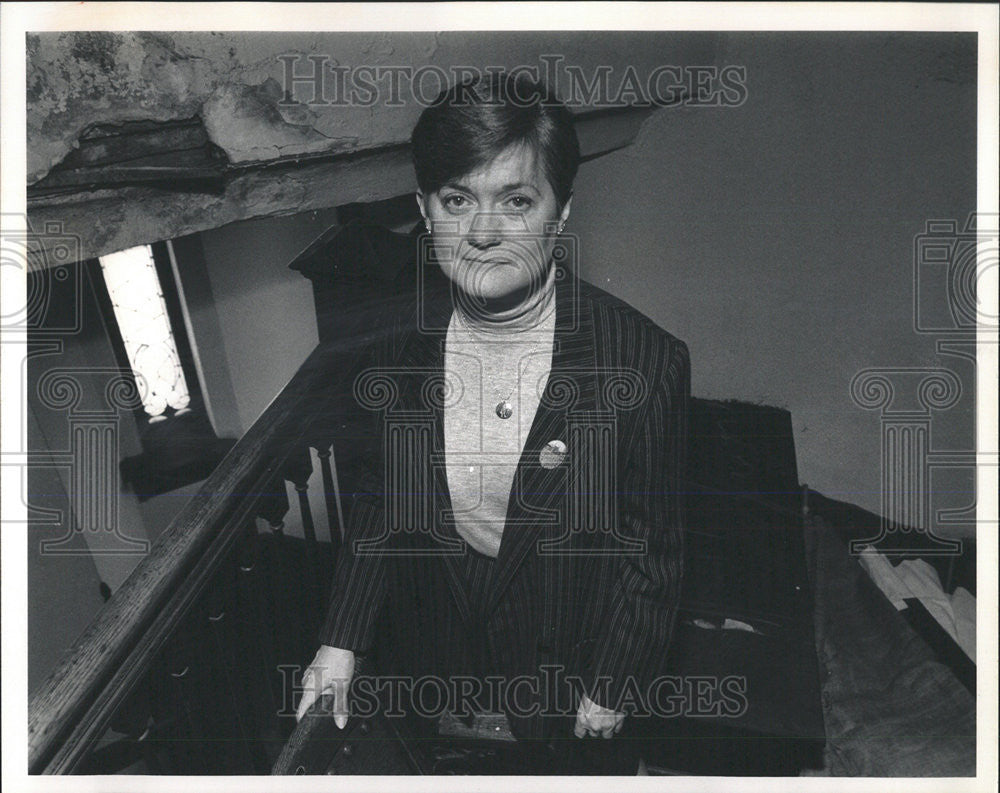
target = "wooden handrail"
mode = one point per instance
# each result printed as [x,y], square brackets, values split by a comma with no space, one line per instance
[76,700]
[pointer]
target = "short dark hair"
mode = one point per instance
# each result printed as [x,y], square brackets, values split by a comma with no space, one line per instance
[472,122]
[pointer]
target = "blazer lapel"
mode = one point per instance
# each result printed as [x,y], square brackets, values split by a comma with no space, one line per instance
[422,359]
[536,509]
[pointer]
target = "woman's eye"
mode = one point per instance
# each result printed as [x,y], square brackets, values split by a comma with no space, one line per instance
[455,201]
[519,202]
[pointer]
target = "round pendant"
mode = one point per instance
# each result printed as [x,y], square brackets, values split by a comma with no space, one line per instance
[504,409]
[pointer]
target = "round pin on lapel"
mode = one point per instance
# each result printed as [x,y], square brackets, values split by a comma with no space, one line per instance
[553,454]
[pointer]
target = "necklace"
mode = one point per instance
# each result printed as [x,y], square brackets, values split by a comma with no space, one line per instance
[504,409]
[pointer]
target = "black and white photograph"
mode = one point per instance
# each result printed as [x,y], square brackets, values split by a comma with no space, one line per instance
[559,391]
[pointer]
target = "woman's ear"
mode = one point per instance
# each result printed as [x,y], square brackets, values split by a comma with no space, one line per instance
[564,215]
[422,203]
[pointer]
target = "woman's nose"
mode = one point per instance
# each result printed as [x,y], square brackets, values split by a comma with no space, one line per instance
[486,229]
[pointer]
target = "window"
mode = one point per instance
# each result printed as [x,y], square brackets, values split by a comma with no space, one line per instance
[144,324]
[141,306]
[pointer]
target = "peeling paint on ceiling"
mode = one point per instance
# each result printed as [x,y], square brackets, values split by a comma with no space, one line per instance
[267,102]
[236,83]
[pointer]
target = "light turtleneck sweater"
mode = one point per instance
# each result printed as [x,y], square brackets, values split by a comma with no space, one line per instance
[492,359]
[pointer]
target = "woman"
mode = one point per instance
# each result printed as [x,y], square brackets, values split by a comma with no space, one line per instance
[524,521]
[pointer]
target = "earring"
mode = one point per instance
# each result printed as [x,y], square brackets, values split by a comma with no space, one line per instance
[560,229]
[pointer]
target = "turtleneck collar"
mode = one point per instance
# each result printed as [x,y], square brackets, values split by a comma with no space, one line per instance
[530,313]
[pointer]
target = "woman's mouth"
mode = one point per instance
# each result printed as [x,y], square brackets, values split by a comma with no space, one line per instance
[490,261]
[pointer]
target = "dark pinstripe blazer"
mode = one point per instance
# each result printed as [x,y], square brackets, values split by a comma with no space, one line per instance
[589,569]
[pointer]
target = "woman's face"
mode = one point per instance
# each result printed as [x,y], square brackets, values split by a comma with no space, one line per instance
[493,229]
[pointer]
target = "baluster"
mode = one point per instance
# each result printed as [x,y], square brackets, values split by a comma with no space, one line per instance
[191,689]
[215,688]
[277,576]
[257,643]
[221,602]
[331,492]
[308,527]
[297,471]
[190,727]
[273,505]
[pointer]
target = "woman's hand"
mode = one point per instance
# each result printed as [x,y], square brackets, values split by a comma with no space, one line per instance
[330,671]
[592,719]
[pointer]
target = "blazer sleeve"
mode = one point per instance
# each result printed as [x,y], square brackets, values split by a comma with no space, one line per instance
[358,584]
[640,616]
[358,587]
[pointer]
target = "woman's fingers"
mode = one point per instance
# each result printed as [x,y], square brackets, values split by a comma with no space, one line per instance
[596,723]
[331,670]
[340,708]
[314,685]
[309,693]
